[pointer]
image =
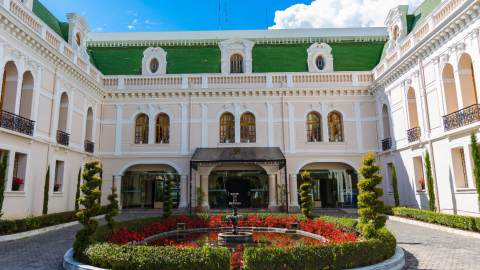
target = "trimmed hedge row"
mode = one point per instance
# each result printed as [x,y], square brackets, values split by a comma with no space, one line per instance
[334,256]
[33,223]
[111,256]
[455,221]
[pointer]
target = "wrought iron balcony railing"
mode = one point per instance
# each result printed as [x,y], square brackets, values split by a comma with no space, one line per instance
[89,146]
[16,123]
[463,117]
[63,138]
[386,144]
[413,134]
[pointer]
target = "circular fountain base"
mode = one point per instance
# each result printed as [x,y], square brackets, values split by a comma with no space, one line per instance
[241,237]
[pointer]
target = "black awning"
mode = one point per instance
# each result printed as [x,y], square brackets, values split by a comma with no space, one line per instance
[237,154]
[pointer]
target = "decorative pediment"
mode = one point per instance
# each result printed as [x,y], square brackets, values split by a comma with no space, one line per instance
[154,61]
[238,46]
[397,25]
[320,58]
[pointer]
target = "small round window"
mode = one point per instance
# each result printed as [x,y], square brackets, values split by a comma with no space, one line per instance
[154,65]
[320,62]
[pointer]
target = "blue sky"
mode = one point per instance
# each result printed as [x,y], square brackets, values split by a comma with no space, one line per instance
[160,15]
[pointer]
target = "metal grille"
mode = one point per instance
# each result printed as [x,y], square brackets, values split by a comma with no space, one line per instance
[463,117]
[63,138]
[89,147]
[464,167]
[16,123]
[15,165]
[413,134]
[386,144]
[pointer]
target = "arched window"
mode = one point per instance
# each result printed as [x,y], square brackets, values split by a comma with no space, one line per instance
[154,65]
[236,63]
[163,129]
[396,33]
[320,62]
[79,39]
[335,133]
[227,128]
[27,97]
[141,129]
[247,128]
[314,130]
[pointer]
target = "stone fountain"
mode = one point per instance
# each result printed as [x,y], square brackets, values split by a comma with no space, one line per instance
[235,236]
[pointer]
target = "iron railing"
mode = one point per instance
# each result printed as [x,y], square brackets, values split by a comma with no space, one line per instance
[16,123]
[386,144]
[413,134]
[463,117]
[63,137]
[89,146]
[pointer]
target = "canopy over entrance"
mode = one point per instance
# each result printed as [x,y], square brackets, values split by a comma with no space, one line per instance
[238,156]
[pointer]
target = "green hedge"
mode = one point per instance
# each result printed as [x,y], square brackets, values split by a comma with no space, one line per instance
[455,221]
[334,256]
[33,223]
[112,256]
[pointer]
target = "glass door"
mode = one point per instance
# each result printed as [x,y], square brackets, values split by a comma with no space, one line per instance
[158,196]
[317,196]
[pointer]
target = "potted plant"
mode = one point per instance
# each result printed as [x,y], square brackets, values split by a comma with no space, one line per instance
[422,183]
[282,198]
[17,182]
[200,199]
[56,187]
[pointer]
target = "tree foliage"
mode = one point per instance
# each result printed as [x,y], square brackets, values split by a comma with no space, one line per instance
[431,192]
[100,187]
[112,209]
[89,201]
[476,164]
[45,191]
[77,195]
[395,186]
[168,203]
[371,209]
[3,179]
[306,196]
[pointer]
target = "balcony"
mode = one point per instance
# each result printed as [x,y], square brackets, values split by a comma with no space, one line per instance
[16,123]
[463,117]
[63,138]
[89,147]
[386,144]
[413,134]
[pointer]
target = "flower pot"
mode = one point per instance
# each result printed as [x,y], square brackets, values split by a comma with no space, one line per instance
[56,189]
[423,186]
[284,208]
[199,209]
[15,188]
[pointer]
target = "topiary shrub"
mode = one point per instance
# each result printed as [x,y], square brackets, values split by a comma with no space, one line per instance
[431,192]
[45,192]
[168,203]
[100,187]
[89,201]
[371,208]
[395,186]
[3,179]
[306,198]
[112,209]
[476,163]
[77,195]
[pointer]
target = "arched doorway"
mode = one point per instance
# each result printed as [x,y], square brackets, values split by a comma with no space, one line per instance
[334,184]
[9,88]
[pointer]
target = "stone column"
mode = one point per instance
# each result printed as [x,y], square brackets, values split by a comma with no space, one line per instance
[237,117]
[293,192]
[204,185]
[151,124]
[117,182]
[272,202]
[183,207]
[324,122]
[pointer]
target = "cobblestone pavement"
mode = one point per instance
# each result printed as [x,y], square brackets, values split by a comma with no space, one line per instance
[424,248]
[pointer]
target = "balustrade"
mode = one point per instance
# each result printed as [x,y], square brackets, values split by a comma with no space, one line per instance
[16,123]
[463,117]
[386,144]
[89,146]
[413,134]
[63,138]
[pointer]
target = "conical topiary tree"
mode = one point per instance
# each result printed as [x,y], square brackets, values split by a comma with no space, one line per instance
[112,209]
[431,192]
[100,188]
[45,191]
[77,195]
[167,195]
[89,201]
[3,179]
[395,186]
[306,198]
[476,164]
[371,208]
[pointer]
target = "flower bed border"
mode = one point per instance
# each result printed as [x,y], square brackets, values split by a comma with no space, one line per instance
[396,262]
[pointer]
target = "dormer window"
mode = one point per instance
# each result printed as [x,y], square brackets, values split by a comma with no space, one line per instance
[320,58]
[236,63]
[79,40]
[154,65]
[320,62]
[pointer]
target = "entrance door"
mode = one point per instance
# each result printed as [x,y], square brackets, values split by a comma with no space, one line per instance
[242,187]
[158,197]
[317,194]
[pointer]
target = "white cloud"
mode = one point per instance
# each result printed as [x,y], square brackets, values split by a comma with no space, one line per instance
[338,13]
[132,25]
[97,29]
[152,23]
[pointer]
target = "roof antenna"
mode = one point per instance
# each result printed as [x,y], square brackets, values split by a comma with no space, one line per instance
[226,19]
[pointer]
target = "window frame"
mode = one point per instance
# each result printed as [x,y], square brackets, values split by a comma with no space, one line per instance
[338,133]
[236,65]
[227,128]
[55,176]
[248,128]
[79,39]
[141,136]
[162,130]
[324,62]
[157,68]
[311,127]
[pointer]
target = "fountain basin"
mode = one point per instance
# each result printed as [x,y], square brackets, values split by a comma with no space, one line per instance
[241,237]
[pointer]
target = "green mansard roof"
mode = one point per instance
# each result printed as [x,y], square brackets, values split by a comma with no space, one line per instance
[348,56]
[61,28]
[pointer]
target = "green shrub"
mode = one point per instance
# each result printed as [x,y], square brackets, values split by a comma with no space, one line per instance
[431,192]
[395,186]
[388,210]
[168,202]
[476,163]
[46,190]
[3,174]
[112,256]
[77,194]
[306,198]
[33,223]
[112,209]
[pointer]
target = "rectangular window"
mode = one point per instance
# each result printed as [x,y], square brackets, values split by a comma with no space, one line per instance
[59,175]
[459,168]
[19,172]
[418,173]
[390,177]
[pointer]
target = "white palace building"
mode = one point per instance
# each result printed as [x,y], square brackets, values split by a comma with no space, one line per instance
[240,111]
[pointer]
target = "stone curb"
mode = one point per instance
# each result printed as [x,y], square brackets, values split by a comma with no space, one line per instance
[396,262]
[17,236]
[434,226]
